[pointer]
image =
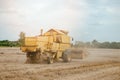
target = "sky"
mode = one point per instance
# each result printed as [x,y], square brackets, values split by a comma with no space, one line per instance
[85,20]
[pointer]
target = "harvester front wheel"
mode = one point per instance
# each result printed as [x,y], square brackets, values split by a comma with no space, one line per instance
[32,57]
[28,56]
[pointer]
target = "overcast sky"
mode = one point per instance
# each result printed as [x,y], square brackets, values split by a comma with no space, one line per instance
[84,19]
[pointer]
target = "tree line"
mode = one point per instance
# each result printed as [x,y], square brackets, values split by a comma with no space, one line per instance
[7,43]
[92,44]
[18,43]
[96,44]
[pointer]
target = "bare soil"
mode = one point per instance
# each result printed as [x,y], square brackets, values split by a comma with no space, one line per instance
[101,64]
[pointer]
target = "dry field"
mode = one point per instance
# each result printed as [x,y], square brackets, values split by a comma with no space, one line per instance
[101,64]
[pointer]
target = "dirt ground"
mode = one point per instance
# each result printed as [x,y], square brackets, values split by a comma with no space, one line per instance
[101,64]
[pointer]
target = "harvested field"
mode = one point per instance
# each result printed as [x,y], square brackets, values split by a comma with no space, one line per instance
[101,64]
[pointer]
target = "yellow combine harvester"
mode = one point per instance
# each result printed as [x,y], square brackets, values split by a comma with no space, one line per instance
[50,46]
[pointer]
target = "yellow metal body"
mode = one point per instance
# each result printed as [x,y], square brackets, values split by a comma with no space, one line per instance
[53,41]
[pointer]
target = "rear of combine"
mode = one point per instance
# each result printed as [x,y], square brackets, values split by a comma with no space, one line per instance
[48,47]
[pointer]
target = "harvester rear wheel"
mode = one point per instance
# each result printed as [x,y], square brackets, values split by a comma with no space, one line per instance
[67,56]
[50,60]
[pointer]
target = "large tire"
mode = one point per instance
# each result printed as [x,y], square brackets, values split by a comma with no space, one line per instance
[32,57]
[67,56]
[28,60]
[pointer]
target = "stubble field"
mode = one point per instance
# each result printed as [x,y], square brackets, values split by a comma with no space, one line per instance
[101,64]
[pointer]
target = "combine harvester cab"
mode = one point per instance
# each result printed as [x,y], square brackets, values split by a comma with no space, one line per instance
[48,47]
